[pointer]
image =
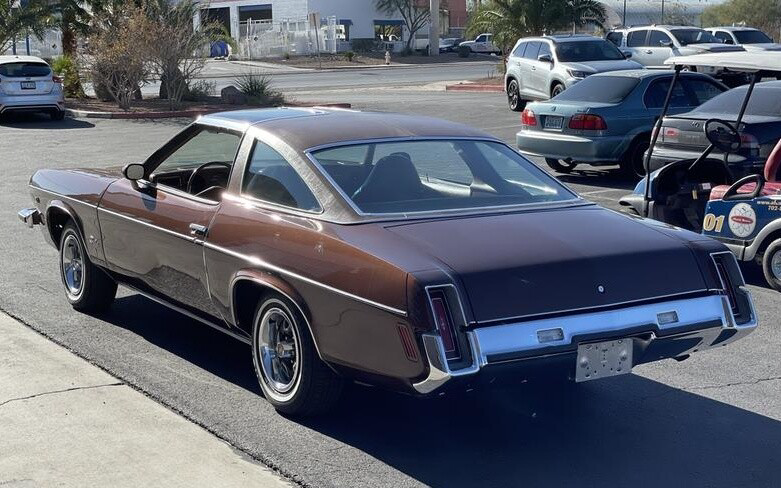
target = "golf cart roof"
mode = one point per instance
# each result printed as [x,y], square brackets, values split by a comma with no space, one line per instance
[735,61]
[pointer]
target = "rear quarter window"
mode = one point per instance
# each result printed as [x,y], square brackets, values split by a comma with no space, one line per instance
[518,51]
[601,89]
[24,70]
[615,38]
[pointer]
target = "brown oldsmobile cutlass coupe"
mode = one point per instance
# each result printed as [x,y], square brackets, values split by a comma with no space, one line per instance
[401,251]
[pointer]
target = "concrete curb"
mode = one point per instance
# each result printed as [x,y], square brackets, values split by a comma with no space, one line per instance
[472,87]
[90,114]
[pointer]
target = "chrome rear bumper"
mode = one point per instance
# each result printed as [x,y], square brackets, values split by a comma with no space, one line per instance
[702,323]
[30,216]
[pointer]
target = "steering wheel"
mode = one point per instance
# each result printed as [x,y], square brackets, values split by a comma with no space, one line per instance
[200,168]
[723,135]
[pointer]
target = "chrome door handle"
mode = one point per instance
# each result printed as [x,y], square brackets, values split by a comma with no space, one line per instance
[648,51]
[198,230]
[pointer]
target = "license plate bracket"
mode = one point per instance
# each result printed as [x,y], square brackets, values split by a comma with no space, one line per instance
[597,360]
[28,85]
[553,122]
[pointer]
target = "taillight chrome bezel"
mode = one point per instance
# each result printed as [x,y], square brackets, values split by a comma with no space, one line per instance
[446,295]
[730,277]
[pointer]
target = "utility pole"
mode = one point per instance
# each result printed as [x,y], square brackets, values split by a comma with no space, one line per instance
[662,11]
[624,21]
[433,28]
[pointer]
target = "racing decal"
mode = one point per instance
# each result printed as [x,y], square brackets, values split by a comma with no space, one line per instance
[712,223]
[742,220]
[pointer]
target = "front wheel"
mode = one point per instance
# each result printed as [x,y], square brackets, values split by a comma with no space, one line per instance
[560,165]
[87,287]
[557,88]
[514,97]
[292,376]
[771,264]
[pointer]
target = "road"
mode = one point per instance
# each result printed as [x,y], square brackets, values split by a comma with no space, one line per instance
[711,421]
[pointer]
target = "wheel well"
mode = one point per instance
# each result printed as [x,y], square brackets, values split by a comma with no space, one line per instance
[553,85]
[246,296]
[507,82]
[56,221]
[776,234]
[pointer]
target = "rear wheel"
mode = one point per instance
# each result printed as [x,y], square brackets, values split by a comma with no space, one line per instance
[633,161]
[771,264]
[561,166]
[292,376]
[87,287]
[514,97]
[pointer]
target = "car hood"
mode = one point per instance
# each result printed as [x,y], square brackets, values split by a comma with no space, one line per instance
[529,263]
[710,47]
[767,46]
[602,66]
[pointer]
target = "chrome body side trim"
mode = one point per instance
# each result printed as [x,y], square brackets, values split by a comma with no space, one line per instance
[268,266]
[491,344]
[176,308]
[150,225]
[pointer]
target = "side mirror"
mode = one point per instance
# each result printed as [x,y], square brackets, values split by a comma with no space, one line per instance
[626,54]
[133,171]
[545,58]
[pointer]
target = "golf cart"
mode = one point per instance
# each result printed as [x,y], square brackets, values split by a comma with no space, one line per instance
[703,195]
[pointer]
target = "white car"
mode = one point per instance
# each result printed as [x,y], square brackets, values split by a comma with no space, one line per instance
[27,84]
[482,44]
[748,38]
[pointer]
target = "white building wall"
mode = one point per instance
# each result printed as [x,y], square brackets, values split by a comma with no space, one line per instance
[361,12]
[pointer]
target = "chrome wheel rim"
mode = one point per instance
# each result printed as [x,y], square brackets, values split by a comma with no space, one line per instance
[775,265]
[72,260]
[280,351]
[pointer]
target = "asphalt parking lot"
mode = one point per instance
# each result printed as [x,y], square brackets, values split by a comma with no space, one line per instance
[713,420]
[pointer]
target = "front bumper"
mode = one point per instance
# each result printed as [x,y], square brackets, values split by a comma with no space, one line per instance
[32,103]
[553,144]
[703,323]
[30,216]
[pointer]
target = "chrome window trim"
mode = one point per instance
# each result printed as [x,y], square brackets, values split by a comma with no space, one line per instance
[441,212]
[271,267]
[177,192]
[245,199]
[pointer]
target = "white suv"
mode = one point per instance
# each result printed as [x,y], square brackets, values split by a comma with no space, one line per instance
[747,37]
[651,45]
[27,84]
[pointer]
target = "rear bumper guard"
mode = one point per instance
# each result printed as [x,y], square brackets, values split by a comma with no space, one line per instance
[700,323]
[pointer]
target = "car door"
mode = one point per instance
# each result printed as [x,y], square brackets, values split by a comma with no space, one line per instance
[480,44]
[153,229]
[541,71]
[658,48]
[529,60]
[515,62]
[636,43]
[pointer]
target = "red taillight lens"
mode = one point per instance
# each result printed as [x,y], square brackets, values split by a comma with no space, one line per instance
[587,122]
[56,79]
[444,323]
[528,118]
[670,134]
[407,343]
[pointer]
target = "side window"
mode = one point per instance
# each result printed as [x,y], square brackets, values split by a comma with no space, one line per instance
[636,38]
[657,91]
[518,52]
[532,50]
[703,90]
[616,38]
[723,37]
[270,178]
[480,38]
[658,39]
[544,49]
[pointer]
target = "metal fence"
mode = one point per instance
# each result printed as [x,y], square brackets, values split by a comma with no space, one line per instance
[263,38]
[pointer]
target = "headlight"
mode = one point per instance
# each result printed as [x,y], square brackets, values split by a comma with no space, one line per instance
[578,74]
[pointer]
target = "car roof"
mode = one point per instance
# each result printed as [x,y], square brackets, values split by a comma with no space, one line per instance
[20,59]
[306,128]
[658,26]
[647,73]
[572,37]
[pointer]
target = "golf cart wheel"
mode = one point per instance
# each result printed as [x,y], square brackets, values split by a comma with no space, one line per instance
[557,88]
[561,166]
[514,99]
[633,161]
[771,264]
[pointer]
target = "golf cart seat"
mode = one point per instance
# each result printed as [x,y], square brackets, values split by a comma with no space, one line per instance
[772,180]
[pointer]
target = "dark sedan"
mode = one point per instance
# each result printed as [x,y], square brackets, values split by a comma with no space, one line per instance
[407,252]
[683,136]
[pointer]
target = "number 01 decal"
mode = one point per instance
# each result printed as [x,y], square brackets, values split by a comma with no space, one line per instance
[711,222]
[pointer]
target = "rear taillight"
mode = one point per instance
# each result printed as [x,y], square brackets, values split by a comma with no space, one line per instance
[727,285]
[587,122]
[731,280]
[444,323]
[528,118]
[56,79]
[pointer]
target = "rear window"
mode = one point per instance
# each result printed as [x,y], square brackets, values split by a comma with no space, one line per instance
[423,176]
[581,51]
[602,89]
[765,101]
[24,70]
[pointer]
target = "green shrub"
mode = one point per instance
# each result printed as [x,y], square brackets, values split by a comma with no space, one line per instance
[67,68]
[259,90]
[349,55]
[200,91]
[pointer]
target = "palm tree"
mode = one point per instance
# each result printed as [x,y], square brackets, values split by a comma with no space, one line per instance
[33,18]
[584,12]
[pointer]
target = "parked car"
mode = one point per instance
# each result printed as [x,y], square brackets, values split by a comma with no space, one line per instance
[652,45]
[449,45]
[482,44]
[748,38]
[607,118]
[540,68]
[27,84]
[348,245]
[682,136]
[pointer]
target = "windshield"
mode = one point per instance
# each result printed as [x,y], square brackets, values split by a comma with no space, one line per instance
[694,36]
[597,50]
[752,37]
[24,70]
[602,89]
[765,101]
[422,176]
